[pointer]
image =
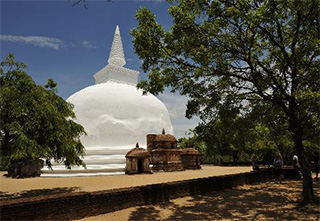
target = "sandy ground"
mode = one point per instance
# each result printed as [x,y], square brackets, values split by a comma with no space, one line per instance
[19,188]
[266,201]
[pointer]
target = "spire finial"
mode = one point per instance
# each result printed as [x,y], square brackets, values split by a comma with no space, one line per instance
[163,131]
[116,56]
[117,32]
[137,145]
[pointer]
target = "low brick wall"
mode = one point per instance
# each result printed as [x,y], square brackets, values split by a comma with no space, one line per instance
[79,205]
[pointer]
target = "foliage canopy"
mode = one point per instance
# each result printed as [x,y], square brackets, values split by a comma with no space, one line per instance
[242,54]
[35,122]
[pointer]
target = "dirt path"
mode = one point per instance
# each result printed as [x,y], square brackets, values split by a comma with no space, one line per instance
[18,188]
[266,201]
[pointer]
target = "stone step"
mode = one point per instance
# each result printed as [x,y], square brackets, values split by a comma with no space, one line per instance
[89,173]
[118,150]
[112,167]
[100,159]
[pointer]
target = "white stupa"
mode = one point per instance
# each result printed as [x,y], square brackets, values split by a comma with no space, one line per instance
[116,115]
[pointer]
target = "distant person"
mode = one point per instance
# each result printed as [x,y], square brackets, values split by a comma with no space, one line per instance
[49,164]
[295,162]
[277,167]
[254,162]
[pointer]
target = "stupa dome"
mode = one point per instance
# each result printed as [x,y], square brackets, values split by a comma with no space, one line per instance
[115,115]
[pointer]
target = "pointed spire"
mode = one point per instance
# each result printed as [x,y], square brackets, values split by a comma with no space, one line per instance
[117,32]
[114,71]
[116,56]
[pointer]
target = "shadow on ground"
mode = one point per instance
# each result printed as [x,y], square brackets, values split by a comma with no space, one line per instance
[263,201]
[37,193]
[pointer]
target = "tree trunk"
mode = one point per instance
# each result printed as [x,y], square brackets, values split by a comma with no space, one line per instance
[235,158]
[5,143]
[308,193]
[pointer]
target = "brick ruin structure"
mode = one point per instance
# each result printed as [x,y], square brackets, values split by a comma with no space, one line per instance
[138,161]
[165,156]
[190,158]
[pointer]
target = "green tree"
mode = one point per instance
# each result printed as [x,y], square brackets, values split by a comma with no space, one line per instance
[228,133]
[262,145]
[239,51]
[269,134]
[196,142]
[35,122]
